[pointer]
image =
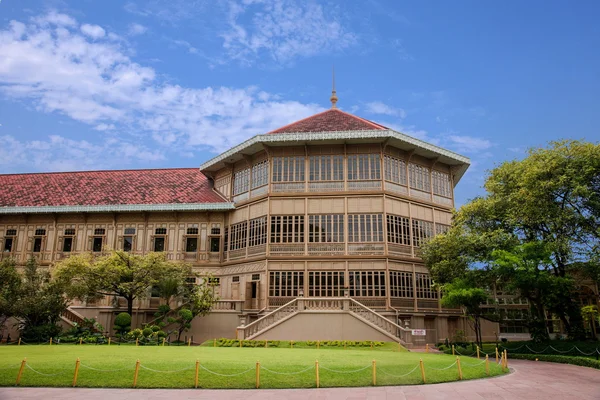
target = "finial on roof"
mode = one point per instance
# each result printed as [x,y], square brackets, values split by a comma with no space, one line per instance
[333,97]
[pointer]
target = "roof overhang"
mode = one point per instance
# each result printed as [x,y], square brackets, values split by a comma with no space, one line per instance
[117,208]
[397,139]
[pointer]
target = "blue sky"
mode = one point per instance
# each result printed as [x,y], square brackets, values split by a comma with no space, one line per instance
[119,84]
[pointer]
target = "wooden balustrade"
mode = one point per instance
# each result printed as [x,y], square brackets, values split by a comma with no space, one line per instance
[394,187]
[366,248]
[364,185]
[326,186]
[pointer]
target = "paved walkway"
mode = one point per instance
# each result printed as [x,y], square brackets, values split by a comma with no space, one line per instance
[529,380]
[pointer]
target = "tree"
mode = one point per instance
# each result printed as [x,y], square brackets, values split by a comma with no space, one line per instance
[463,293]
[591,316]
[41,302]
[122,323]
[10,291]
[551,199]
[120,273]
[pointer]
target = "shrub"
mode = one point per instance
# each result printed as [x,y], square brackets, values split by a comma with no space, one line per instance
[147,332]
[582,361]
[122,323]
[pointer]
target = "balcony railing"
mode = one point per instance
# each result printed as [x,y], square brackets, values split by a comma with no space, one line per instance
[285,249]
[394,187]
[366,249]
[399,249]
[326,249]
[364,185]
[327,186]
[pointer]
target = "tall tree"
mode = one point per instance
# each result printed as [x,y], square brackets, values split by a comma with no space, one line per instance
[120,273]
[10,291]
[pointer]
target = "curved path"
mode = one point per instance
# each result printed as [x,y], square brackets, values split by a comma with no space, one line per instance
[529,380]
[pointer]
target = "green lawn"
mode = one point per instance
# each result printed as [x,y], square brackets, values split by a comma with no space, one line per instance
[114,366]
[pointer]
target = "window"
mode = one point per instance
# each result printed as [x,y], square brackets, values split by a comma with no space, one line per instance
[256,277]
[441,228]
[366,283]
[130,231]
[419,177]
[241,181]
[364,167]
[395,170]
[285,283]
[40,232]
[159,244]
[11,232]
[215,242]
[191,244]
[37,245]
[288,169]
[192,231]
[258,231]
[69,232]
[97,244]
[424,290]
[326,228]
[127,243]
[99,231]
[8,244]
[215,231]
[260,174]
[212,281]
[238,235]
[365,228]
[421,230]
[226,240]
[160,231]
[401,284]
[287,229]
[326,283]
[326,168]
[67,244]
[441,183]
[235,279]
[398,230]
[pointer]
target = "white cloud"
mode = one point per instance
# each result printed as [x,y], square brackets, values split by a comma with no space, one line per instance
[97,83]
[186,45]
[283,30]
[137,29]
[468,144]
[55,18]
[93,31]
[377,107]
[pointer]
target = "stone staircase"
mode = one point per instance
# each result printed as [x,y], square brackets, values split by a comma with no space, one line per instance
[345,305]
[71,317]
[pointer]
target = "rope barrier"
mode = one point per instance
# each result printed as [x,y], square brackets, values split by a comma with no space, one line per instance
[41,373]
[104,370]
[344,372]
[226,375]
[443,369]
[287,373]
[166,372]
[473,365]
[399,376]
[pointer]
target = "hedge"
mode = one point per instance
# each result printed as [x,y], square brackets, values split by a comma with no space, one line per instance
[581,361]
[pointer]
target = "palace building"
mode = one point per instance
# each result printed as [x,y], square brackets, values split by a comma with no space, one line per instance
[312,231]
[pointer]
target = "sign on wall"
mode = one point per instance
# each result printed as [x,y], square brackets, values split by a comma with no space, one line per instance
[419,332]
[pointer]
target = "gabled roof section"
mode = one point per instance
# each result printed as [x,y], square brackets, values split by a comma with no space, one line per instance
[330,121]
[100,191]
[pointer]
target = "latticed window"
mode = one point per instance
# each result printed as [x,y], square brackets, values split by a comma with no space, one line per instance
[424,290]
[421,230]
[288,169]
[398,230]
[260,174]
[160,231]
[285,283]
[258,231]
[326,228]
[419,177]
[366,283]
[241,181]
[326,283]
[326,168]
[192,231]
[130,231]
[40,232]
[365,228]
[287,229]
[237,235]
[441,228]
[69,232]
[364,167]
[395,170]
[441,183]
[11,232]
[401,284]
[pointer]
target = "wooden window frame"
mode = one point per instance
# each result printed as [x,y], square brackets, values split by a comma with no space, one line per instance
[285,283]
[401,284]
[326,228]
[364,167]
[365,228]
[287,229]
[326,283]
[288,169]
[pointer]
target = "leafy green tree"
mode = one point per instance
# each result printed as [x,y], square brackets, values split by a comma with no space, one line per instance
[120,273]
[122,323]
[591,316]
[183,321]
[10,291]
[41,303]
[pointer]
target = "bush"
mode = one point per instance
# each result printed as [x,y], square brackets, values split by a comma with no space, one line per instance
[147,332]
[581,361]
[122,322]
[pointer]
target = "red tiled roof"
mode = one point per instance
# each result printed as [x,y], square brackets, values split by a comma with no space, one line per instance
[149,186]
[328,121]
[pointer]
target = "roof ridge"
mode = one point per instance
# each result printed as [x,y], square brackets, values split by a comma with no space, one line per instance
[101,170]
[334,118]
[375,124]
[300,120]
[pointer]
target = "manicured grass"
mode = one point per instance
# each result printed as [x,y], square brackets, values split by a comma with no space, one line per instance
[555,347]
[347,366]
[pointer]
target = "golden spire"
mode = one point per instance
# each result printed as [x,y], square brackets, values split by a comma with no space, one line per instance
[333,97]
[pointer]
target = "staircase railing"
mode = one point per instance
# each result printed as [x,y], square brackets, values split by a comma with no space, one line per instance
[380,321]
[71,316]
[254,328]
